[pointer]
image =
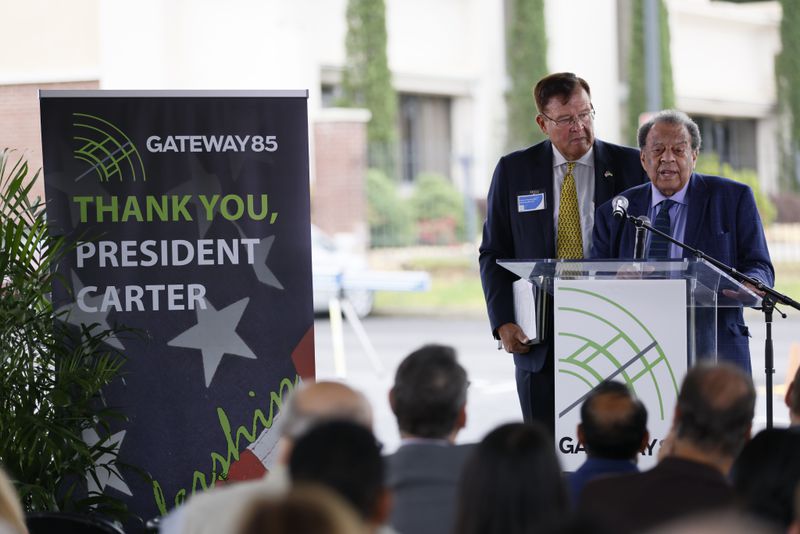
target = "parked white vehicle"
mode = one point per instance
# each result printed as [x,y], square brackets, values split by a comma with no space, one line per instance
[330,265]
[346,274]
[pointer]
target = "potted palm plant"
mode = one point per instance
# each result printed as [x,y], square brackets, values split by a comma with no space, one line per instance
[51,374]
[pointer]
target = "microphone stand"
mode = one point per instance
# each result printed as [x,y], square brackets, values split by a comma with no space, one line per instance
[768,301]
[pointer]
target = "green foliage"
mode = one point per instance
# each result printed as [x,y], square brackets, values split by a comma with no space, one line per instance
[526,60]
[637,97]
[388,215]
[787,73]
[50,375]
[709,164]
[367,81]
[438,209]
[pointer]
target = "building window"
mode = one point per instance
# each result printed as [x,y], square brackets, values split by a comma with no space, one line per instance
[330,94]
[733,140]
[425,135]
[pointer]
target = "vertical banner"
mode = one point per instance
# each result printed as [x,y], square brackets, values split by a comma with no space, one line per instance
[631,331]
[191,215]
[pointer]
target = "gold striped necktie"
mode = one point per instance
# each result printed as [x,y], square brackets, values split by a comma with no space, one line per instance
[570,242]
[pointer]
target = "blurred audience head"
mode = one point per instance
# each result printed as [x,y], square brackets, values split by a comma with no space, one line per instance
[305,510]
[511,483]
[344,457]
[315,402]
[793,398]
[613,423]
[714,411]
[11,511]
[429,395]
[766,474]
[794,527]
[717,523]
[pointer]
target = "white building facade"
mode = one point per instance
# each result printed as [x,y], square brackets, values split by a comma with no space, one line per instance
[447,58]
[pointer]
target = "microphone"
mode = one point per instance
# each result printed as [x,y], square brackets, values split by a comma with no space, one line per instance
[619,206]
[639,240]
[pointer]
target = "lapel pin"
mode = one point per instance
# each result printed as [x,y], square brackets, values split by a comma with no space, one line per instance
[608,174]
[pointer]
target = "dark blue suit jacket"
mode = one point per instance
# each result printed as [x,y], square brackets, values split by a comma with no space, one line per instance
[594,468]
[723,222]
[508,234]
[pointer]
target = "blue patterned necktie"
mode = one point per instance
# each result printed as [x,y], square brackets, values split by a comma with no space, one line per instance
[659,247]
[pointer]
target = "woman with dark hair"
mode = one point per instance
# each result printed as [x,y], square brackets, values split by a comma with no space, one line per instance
[306,509]
[766,474]
[512,484]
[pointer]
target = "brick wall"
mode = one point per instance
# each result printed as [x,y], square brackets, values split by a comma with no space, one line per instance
[338,196]
[20,126]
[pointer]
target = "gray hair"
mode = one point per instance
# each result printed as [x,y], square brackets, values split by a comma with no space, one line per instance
[671,116]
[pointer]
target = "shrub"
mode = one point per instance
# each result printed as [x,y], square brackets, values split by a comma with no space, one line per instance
[388,214]
[709,164]
[438,209]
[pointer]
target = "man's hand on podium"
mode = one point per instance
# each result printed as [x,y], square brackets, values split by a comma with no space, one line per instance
[741,295]
[634,271]
[513,338]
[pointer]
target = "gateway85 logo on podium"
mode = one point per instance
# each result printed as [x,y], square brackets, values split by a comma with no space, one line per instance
[631,331]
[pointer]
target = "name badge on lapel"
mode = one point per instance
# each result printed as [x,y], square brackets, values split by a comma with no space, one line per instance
[531,201]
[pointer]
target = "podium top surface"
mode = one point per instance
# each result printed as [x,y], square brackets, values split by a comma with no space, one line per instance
[709,285]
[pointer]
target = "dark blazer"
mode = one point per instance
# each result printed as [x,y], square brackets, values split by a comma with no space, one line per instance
[424,478]
[723,222]
[508,234]
[594,468]
[673,489]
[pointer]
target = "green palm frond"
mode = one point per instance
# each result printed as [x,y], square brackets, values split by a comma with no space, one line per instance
[51,375]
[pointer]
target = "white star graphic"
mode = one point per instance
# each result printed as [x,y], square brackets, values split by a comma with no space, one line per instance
[215,335]
[74,315]
[260,254]
[105,465]
[264,273]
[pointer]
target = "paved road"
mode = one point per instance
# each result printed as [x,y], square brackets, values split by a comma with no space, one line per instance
[492,395]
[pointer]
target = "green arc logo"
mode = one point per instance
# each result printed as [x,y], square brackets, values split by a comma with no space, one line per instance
[590,359]
[108,151]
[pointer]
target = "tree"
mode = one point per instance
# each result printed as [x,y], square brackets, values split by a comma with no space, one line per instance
[526,63]
[367,81]
[787,73]
[637,98]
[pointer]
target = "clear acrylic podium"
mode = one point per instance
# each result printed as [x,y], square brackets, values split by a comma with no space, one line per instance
[640,323]
[707,288]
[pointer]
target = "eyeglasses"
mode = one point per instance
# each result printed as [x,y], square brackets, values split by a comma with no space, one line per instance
[584,118]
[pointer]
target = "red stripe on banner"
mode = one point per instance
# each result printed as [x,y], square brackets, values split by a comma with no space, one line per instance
[248,467]
[303,356]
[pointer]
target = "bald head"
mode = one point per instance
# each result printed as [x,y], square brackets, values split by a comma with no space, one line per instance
[715,407]
[333,400]
[323,401]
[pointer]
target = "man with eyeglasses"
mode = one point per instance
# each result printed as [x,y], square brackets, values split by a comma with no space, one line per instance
[713,214]
[541,204]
